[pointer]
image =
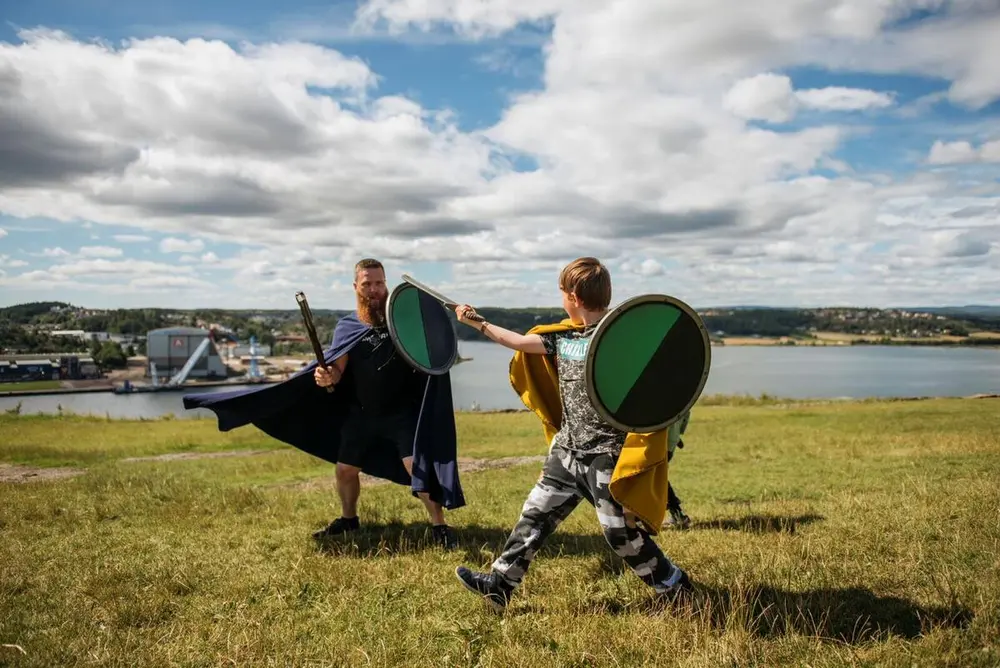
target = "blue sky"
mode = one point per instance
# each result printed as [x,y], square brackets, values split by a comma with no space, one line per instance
[699,154]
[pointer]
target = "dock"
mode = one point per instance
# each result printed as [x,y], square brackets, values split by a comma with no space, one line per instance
[136,389]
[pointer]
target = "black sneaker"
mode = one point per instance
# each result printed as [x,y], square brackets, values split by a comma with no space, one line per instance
[339,526]
[444,536]
[677,520]
[488,585]
[678,588]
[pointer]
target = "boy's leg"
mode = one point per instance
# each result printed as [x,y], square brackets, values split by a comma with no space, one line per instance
[551,501]
[636,547]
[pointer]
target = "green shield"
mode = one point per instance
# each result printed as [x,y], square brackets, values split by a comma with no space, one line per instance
[647,363]
[421,329]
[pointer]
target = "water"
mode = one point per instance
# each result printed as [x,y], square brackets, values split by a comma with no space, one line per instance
[787,371]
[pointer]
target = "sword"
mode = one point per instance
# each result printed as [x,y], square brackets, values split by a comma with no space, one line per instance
[307,318]
[450,303]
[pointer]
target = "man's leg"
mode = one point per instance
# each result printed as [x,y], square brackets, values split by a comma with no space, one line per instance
[434,509]
[442,533]
[349,489]
[632,544]
[353,439]
[551,501]
[676,519]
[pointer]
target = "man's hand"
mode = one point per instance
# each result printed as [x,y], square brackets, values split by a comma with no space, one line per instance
[630,519]
[326,377]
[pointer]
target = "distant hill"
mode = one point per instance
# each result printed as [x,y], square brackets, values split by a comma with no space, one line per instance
[981,310]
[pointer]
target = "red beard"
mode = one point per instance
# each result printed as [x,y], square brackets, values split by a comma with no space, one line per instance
[371,311]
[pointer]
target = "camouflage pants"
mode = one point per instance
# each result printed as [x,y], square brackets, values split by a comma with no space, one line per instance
[567,478]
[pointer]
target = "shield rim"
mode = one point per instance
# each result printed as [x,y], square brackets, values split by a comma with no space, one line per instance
[602,327]
[394,336]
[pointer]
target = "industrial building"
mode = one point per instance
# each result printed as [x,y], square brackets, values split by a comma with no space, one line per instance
[16,371]
[169,349]
[67,367]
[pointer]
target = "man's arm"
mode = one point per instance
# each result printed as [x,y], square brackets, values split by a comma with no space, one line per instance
[340,364]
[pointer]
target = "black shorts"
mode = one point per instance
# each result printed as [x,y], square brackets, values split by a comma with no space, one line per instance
[365,435]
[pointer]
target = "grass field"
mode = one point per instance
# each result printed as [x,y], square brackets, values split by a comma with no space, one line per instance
[30,385]
[823,534]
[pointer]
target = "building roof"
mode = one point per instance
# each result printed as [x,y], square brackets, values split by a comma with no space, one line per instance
[177,331]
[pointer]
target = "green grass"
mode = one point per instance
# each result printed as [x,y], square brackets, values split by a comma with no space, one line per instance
[30,385]
[824,534]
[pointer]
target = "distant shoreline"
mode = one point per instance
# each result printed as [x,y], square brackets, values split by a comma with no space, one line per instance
[825,339]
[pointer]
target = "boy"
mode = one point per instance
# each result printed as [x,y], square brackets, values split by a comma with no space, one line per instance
[585,451]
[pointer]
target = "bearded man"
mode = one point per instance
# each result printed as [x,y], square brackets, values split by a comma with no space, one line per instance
[384,418]
[385,395]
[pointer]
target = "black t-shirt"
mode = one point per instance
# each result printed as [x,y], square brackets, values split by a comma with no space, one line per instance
[383,382]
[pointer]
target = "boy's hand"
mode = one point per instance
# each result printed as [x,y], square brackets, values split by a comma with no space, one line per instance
[468,316]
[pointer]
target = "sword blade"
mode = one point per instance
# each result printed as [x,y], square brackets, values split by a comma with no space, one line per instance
[447,301]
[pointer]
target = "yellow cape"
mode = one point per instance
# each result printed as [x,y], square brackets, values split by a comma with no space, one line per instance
[639,481]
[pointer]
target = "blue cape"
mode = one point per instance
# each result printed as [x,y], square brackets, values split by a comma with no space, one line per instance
[304,415]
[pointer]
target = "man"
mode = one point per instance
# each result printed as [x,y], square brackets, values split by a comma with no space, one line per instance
[385,396]
[677,519]
[382,419]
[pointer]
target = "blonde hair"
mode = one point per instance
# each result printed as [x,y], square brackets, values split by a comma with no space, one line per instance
[589,280]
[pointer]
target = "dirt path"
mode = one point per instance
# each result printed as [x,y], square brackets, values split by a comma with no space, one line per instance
[174,456]
[17,473]
[465,465]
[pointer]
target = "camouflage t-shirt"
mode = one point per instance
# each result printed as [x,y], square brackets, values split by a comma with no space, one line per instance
[583,429]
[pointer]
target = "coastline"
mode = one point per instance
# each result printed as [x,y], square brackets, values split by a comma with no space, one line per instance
[139,389]
[827,339]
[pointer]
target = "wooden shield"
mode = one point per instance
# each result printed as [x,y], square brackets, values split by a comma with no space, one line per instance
[421,329]
[647,363]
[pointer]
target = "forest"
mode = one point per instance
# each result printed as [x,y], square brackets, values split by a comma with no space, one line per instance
[23,327]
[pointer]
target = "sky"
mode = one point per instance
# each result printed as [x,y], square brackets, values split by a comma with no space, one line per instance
[780,153]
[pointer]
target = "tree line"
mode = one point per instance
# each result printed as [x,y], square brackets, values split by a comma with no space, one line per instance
[240,324]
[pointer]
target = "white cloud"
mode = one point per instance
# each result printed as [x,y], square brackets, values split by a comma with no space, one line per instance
[648,267]
[771,97]
[641,132]
[767,97]
[174,245]
[3,233]
[196,137]
[99,267]
[55,252]
[131,238]
[100,251]
[6,261]
[837,98]
[958,152]
[691,43]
